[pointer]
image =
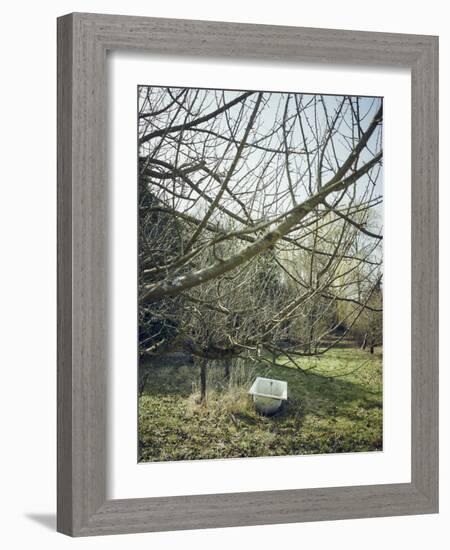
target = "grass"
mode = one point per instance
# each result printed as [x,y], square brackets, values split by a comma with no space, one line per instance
[324,413]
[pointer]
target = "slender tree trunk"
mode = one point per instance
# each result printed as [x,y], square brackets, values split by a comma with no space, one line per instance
[227,370]
[364,344]
[311,331]
[143,377]
[203,367]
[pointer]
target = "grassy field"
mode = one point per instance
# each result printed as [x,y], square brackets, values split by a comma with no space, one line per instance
[324,413]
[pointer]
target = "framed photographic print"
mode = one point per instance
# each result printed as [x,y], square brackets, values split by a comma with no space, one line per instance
[247,274]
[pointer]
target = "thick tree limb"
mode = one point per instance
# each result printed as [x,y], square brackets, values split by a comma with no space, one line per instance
[195,278]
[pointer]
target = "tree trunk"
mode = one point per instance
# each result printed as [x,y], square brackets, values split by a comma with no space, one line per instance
[227,370]
[144,373]
[203,367]
[364,344]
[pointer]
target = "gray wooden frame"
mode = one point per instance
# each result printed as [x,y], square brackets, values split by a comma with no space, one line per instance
[83,40]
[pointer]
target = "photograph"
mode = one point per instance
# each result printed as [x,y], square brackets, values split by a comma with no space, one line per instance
[260,243]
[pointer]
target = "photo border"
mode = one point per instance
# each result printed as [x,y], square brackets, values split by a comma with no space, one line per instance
[83,239]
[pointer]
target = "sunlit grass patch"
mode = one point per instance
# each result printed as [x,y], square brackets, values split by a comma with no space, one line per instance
[324,413]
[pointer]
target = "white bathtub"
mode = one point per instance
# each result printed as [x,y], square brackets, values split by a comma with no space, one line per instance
[268,395]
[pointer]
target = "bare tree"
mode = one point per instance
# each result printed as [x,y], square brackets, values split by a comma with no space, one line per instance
[259,232]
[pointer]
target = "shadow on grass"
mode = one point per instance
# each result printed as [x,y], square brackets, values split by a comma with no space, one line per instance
[322,414]
[170,380]
[310,393]
[327,397]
